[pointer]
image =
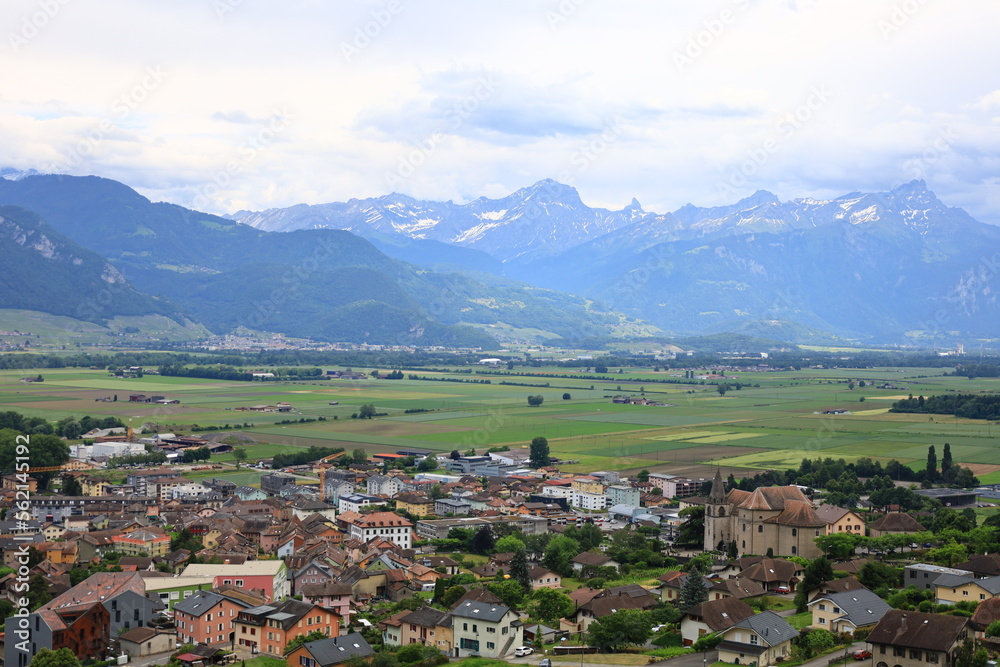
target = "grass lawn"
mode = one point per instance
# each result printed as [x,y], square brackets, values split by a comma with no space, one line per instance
[474,662]
[605,658]
[779,604]
[264,661]
[799,621]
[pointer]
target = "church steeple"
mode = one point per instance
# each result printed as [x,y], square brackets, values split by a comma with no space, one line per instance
[718,494]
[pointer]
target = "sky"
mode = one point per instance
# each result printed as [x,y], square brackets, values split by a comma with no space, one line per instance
[223,105]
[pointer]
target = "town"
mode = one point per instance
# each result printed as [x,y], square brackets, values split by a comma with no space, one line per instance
[413,557]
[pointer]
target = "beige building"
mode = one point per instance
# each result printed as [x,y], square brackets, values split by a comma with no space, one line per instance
[848,611]
[952,588]
[427,626]
[761,639]
[840,520]
[775,518]
[894,523]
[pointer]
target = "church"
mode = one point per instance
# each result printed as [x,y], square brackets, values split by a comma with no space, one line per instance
[776,518]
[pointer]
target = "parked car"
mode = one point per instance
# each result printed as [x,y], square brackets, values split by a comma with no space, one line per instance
[546,662]
[782,589]
[522,651]
[862,654]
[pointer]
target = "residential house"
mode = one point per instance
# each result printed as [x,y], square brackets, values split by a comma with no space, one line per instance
[593,559]
[544,578]
[140,642]
[386,525]
[337,597]
[269,576]
[450,566]
[207,617]
[249,493]
[415,504]
[761,639]
[712,617]
[894,523]
[774,573]
[585,500]
[622,494]
[426,625]
[356,502]
[142,543]
[451,506]
[315,572]
[981,565]
[916,639]
[485,629]
[269,627]
[951,588]
[601,603]
[986,613]
[923,575]
[82,619]
[840,520]
[834,586]
[330,652]
[381,485]
[847,612]
[739,588]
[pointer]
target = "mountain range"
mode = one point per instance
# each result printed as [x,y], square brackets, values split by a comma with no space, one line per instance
[326,284]
[884,267]
[895,266]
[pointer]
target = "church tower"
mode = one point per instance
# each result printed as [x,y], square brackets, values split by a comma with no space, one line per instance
[718,521]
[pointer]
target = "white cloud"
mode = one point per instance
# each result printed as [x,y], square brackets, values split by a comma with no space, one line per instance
[897,77]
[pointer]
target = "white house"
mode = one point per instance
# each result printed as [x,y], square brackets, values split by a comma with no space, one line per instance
[589,501]
[386,525]
[488,630]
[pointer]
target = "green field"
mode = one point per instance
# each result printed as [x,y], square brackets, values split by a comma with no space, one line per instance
[773,425]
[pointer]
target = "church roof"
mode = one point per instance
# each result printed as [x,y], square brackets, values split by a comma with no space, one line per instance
[798,514]
[771,497]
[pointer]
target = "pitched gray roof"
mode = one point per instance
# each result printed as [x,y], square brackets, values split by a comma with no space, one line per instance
[481,610]
[199,603]
[772,628]
[335,650]
[860,607]
[953,580]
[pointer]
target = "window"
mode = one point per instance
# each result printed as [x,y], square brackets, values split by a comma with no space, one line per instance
[470,644]
[493,630]
[754,639]
[915,655]
[822,607]
[795,550]
[821,621]
[836,610]
[760,529]
[490,645]
[504,630]
[239,582]
[913,575]
[898,652]
[795,532]
[932,657]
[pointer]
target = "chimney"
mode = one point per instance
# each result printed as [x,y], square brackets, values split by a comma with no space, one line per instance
[902,623]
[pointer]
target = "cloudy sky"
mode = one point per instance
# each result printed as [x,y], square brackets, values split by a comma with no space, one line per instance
[250,104]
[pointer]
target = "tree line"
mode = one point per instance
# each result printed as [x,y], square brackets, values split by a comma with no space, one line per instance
[969,406]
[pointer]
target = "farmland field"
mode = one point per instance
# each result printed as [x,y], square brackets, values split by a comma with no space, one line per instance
[773,423]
